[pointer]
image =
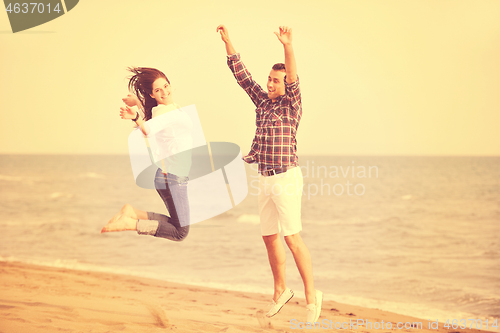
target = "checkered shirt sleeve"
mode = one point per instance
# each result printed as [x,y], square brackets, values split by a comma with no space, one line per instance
[274,144]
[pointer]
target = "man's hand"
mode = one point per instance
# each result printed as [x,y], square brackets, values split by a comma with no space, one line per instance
[224,34]
[131,100]
[285,35]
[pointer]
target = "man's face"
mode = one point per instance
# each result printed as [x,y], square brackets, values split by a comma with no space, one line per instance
[275,84]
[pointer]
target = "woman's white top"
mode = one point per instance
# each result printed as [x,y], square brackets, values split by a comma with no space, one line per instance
[170,138]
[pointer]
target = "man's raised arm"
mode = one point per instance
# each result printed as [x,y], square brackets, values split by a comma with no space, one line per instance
[285,37]
[240,72]
[225,38]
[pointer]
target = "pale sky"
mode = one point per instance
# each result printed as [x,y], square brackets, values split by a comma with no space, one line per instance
[378,77]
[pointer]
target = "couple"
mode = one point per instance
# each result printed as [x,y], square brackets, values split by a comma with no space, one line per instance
[278,113]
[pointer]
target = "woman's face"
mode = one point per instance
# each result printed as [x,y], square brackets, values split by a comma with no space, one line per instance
[161,91]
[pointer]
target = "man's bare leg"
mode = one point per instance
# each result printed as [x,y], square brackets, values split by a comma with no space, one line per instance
[126,219]
[303,261]
[276,254]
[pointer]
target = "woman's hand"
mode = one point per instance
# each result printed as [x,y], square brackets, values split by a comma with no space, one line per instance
[131,100]
[127,113]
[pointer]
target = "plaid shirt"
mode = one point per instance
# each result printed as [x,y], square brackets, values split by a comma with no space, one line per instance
[274,144]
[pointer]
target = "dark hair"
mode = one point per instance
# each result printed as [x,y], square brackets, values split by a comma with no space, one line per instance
[279,67]
[141,83]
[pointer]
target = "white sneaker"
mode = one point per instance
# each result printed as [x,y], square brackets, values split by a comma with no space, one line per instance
[319,301]
[282,300]
[314,310]
[311,313]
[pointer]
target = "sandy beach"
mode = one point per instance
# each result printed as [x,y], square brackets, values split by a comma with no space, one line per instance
[45,299]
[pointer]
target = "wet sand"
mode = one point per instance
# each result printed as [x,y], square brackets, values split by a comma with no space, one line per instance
[45,299]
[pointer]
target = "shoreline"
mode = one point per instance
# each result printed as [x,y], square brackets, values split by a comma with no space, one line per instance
[45,299]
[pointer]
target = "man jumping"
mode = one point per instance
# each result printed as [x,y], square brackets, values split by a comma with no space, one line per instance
[274,148]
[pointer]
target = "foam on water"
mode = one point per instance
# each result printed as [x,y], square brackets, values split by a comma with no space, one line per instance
[249,218]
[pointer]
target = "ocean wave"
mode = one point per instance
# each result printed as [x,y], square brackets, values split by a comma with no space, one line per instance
[91,175]
[60,195]
[11,178]
[17,179]
[68,264]
[248,218]
[422,311]
[490,254]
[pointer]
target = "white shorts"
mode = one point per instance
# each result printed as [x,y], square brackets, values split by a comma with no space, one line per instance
[279,202]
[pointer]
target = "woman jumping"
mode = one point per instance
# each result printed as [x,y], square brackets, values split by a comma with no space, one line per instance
[153,97]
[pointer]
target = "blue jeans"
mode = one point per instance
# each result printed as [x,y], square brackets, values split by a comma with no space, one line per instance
[173,191]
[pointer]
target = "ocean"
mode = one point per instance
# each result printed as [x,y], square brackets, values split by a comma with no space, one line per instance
[412,235]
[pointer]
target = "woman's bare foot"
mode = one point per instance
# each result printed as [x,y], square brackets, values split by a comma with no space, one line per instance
[126,219]
[121,223]
[128,210]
